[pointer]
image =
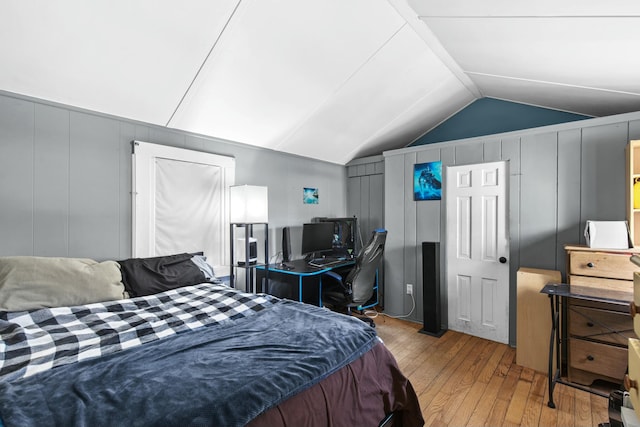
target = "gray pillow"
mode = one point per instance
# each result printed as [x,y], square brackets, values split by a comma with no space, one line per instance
[34,282]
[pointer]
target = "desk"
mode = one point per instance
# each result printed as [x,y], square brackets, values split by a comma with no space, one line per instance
[557,292]
[306,278]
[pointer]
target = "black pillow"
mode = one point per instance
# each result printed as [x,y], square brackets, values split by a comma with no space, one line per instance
[147,276]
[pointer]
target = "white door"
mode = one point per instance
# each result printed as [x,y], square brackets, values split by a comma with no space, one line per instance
[478,250]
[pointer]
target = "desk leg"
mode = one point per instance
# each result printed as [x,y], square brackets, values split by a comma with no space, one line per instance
[300,289]
[554,342]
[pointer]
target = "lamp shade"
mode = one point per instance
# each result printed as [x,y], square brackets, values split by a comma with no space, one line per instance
[249,204]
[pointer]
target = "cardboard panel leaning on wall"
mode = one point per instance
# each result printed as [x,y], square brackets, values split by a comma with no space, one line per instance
[533,320]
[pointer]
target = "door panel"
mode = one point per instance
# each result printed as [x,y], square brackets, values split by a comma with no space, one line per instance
[477,250]
[464,297]
[464,228]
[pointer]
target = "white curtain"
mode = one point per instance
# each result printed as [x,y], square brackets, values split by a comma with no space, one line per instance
[180,203]
[187,208]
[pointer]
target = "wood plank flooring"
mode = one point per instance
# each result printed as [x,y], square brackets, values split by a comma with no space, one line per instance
[467,381]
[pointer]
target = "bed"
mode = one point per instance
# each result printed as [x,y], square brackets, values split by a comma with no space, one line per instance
[158,342]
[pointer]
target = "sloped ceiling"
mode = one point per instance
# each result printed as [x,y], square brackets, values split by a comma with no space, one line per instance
[330,79]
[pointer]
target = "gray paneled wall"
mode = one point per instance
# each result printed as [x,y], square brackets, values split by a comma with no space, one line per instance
[65,180]
[365,189]
[365,201]
[559,176]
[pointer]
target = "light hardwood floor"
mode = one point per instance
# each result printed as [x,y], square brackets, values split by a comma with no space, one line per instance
[467,381]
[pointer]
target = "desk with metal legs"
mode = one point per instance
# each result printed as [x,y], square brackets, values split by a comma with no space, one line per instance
[560,292]
[299,273]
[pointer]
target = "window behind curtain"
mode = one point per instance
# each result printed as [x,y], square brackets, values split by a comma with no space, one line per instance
[180,202]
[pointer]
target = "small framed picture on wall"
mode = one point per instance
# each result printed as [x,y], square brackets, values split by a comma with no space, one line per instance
[310,196]
[427,181]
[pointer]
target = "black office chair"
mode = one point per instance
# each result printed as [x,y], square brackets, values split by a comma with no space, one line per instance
[356,289]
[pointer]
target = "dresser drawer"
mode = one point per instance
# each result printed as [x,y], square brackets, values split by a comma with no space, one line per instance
[634,373]
[636,301]
[601,325]
[601,359]
[603,283]
[601,264]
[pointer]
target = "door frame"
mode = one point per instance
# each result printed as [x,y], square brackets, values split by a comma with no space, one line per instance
[507,219]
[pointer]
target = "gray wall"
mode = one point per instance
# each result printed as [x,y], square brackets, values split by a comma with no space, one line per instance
[560,176]
[365,191]
[65,180]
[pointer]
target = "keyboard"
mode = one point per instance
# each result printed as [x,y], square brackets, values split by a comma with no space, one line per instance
[325,262]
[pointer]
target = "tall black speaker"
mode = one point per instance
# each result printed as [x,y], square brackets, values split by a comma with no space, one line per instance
[286,244]
[431,303]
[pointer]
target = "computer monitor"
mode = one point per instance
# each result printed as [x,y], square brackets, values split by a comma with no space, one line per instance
[345,235]
[317,237]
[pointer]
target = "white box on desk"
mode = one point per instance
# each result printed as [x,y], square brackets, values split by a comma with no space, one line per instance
[607,234]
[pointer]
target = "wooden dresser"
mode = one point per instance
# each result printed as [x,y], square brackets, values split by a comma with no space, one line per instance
[632,380]
[597,332]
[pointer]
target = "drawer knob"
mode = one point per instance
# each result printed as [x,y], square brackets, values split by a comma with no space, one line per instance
[590,358]
[633,309]
[629,383]
[590,265]
[590,324]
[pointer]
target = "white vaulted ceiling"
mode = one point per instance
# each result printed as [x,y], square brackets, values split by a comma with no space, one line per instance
[328,79]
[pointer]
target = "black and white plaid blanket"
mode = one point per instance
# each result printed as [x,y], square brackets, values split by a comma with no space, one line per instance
[38,340]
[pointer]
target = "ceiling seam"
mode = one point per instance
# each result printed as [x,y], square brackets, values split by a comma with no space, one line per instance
[547,107]
[421,28]
[423,17]
[337,89]
[206,58]
[380,130]
[475,73]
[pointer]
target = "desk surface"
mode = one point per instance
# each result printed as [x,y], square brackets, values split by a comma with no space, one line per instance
[300,267]
[588,293]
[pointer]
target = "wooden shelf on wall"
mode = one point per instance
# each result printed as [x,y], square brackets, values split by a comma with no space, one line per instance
[633,200]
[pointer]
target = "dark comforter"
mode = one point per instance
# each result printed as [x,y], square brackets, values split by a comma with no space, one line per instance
[224,373]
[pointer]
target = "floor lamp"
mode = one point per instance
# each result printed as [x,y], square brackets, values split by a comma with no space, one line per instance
[248,205]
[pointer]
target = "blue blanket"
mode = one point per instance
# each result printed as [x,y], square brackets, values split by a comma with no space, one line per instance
[224,374]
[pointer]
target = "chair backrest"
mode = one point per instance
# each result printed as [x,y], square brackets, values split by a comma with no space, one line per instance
[362,277]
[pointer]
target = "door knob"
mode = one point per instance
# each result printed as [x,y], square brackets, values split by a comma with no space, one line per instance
[502,260]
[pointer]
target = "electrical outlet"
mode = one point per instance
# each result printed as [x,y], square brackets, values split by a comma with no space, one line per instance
[409,289]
